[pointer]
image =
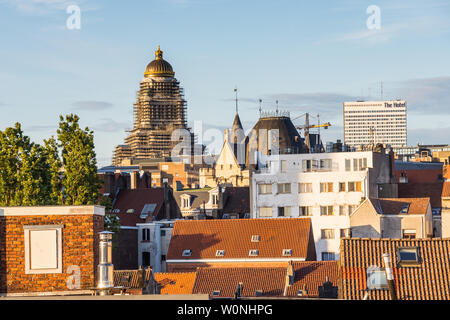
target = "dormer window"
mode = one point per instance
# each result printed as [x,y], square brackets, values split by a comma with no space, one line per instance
[216,293]
[256,238]
[185,201]
[187,253]
[220,253]
[253,253]
[287,252]
[405,208]
[408,256]
[300,293]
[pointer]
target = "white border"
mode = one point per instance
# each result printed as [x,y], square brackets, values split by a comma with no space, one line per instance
[26,230]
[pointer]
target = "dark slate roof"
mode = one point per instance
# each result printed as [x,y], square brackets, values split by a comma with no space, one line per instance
[136,199]
[197,197]
[400,165]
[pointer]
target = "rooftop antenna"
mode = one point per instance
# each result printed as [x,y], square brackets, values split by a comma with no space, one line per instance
[277,106]
[235,90]
[381,90]
[260,108]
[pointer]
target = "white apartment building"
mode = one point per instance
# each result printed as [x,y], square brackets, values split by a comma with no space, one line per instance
[153,243]
[367,122]
[325,187]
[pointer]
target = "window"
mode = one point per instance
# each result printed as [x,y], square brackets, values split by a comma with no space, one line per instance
[359,164]
[341,210]
[146,234]
[163,233]
[306,211]
[409,234]
[265,211]
[326,210]
[287,252]
[326,187]
[326,164]
[216,293]
[405,209]
[328,256]
[408,255]
[305,187]
[253,253]
[341,186]
[284,211]
[347,165]
[264,188]
[258,293]
[256,238]
[187,253]
[351,187]
[283,165]
[43,249]
[284,188]
[215,200]
[327,233]
[306,165]
[351,208]
[376,278]
[130,211]
[185,202]
[220,253]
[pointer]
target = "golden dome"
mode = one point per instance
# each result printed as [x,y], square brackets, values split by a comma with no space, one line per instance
[159,67]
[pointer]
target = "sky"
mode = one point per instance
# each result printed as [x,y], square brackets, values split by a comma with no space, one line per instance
[311,56]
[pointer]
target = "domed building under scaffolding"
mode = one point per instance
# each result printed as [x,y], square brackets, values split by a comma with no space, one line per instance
[160,109]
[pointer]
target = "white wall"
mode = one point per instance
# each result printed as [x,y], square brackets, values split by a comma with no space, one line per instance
[295,174]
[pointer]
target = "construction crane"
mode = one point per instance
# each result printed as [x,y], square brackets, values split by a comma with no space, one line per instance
[308,126]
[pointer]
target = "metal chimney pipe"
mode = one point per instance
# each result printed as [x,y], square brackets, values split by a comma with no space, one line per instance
[389,276]
[105,268]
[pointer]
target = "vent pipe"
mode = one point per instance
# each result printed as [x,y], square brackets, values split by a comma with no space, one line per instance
[105,269]
[389,276]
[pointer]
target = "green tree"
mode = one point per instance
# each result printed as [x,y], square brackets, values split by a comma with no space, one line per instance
[80,181]
[14,149]
[53,173]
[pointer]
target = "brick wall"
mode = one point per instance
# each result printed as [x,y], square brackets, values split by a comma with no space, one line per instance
[80,243]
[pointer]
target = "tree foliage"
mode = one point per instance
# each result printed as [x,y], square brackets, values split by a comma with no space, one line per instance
[59,172]
[80,181]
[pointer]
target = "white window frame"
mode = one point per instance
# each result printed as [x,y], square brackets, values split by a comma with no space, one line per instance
[27,235]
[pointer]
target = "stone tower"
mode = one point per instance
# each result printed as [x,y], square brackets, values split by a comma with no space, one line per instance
[160,109]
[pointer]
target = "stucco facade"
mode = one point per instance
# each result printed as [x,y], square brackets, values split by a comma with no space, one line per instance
[366,222]
[334,184]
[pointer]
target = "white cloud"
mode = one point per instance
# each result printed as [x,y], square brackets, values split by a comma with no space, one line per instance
[92,105]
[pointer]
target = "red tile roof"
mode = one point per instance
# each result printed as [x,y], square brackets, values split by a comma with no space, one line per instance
[429,280]
[395,205]
[205,237]
[136,199]
[225,280]
[132,279]
[311,275]
[446,190]
[175,283]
